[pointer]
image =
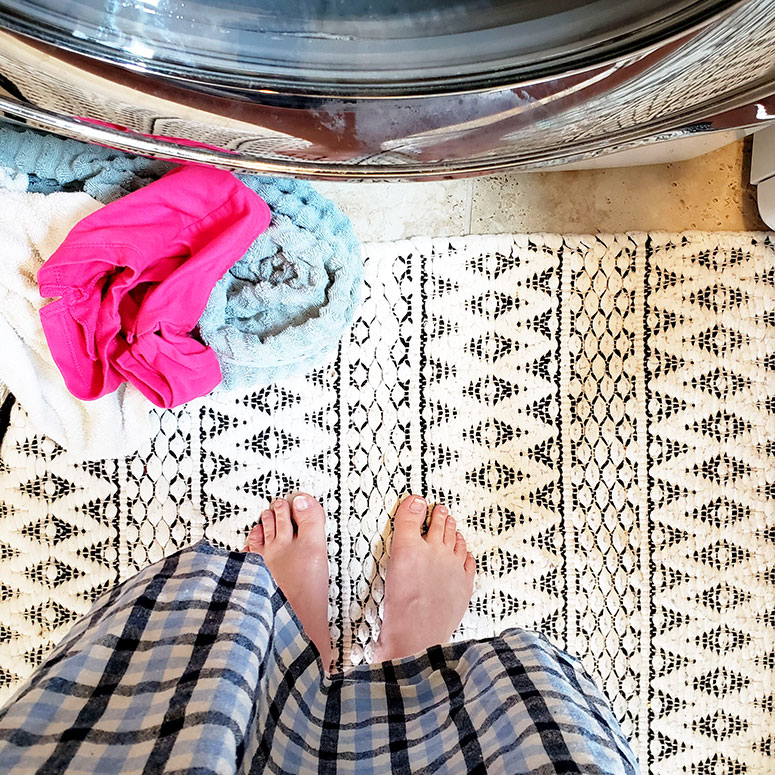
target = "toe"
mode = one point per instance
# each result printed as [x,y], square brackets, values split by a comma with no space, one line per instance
[460,545]
[450,531]
[470,564]
[309,516]
[255,540]
[268,523]
[410,516]
[282,519]
[436,528]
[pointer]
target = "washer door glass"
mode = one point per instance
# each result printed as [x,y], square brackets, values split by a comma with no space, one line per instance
[357,46]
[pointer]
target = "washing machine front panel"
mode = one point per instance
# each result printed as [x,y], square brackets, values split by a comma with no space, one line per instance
[380,90]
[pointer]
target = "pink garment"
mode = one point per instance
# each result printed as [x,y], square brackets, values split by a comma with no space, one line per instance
[134,278]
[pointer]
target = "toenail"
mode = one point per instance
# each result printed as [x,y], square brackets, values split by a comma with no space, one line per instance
[417,504]
[301,502]
[441,509]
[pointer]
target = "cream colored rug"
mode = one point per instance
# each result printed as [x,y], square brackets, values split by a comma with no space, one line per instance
[597,411]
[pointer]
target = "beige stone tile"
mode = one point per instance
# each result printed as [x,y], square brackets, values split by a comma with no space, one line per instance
[391,211]
[710,193]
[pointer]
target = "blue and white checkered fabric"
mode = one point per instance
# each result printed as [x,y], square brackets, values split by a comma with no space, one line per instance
[199,666]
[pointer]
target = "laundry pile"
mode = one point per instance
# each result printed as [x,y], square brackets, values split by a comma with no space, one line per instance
[181,281]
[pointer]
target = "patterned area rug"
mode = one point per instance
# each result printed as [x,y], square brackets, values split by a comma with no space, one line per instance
[597,411]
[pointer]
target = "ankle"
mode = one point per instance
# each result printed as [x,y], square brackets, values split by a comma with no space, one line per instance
[389,647]
[382,652]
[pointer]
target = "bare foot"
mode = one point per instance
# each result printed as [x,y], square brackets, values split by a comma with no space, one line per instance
[429,582]
[292,540]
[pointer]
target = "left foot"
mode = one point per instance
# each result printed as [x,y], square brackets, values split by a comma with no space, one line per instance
[291,537]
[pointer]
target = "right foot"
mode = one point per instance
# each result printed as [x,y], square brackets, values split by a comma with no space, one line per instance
[291,537]
[430,580]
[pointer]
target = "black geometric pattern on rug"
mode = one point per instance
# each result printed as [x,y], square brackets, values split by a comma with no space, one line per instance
[598,413]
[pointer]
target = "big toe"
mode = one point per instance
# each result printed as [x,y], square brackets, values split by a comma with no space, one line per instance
[410,516]
[308,515]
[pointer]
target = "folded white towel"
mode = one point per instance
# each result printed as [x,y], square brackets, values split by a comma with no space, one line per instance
[32,226]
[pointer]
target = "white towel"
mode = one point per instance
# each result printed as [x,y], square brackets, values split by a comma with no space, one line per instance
[13,180]
[32,226]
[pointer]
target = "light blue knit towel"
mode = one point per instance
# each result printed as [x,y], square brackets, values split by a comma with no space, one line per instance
[287,302]
[58,164]
[282,306]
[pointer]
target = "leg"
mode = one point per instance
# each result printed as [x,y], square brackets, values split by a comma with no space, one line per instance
[291,537]
[429,581]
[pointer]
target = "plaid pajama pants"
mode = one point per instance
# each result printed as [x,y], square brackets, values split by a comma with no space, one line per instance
[198,665]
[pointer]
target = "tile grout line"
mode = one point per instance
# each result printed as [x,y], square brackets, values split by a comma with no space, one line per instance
[469,208]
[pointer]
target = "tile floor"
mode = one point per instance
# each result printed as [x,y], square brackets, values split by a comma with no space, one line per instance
[709,193]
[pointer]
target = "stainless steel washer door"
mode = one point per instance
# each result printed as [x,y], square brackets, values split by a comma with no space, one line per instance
[384,88]
[358,46]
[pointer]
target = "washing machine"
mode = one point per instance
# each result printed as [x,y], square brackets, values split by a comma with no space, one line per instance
[385,89]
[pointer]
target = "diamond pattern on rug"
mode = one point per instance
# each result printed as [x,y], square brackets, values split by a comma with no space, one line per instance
[711,517]
[58,546]
[278,440]
[490,423]
[597,411]
[604,454]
